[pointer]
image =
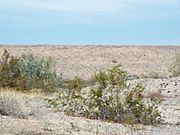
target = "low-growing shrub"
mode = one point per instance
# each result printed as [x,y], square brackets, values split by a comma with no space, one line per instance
[39,73]
[114,76]
[12,105]
[68,98]
[109,99]
[138,111]
[28,72]
[75,84]
[102,78]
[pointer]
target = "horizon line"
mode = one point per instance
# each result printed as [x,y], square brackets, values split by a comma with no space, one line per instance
[41,44]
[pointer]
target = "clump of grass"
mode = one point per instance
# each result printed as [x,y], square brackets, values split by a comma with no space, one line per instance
[28,132]
[109,99]
[28,72]
[12,104]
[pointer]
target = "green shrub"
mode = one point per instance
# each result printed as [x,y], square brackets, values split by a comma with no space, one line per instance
[28,72]
[70,98]
[138,111]
[75,84]
[109,99]
[114,76]
[39,73]
[102,78]
[9,70]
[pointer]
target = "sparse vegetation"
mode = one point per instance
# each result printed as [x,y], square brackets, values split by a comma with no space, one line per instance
[12,105]
[109,99]
[28,72]
[109,96]
[175,68]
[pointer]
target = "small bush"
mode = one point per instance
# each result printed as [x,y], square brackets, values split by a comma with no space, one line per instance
[67,98]
[28,72]
[11,105]
[39,73]
[75,84]
[9,70]
[102,78]
[114,76]
[109,99]
[138,111]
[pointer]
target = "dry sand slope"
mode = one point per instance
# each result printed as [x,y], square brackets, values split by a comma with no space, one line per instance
[85,60]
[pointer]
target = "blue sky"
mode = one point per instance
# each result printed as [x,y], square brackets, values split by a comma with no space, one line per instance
[115,22]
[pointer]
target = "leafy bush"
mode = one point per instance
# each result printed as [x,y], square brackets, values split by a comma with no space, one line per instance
[39,73]
[75,84]
[28,72]
[68,98]
[9,70]
[109,99]
[138,111]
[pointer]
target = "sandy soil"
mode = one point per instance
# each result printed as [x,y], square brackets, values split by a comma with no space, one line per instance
[85,60]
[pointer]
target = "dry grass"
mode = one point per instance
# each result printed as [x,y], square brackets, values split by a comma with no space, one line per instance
[19,94]
[14,103]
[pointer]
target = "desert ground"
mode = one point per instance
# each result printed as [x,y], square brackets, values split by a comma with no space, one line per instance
[83,61]
[150,63]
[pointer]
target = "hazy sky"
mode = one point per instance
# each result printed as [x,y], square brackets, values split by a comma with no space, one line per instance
[90,22]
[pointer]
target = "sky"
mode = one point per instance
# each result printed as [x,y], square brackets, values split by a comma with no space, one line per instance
[90,22]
